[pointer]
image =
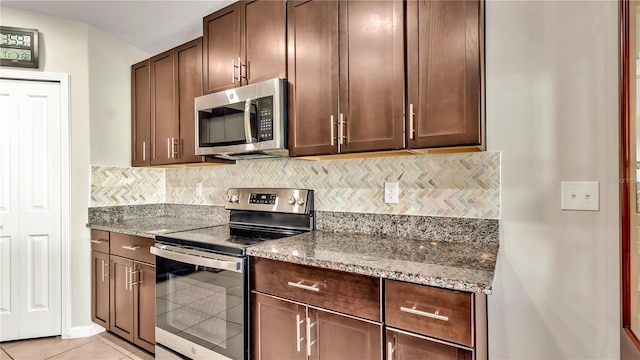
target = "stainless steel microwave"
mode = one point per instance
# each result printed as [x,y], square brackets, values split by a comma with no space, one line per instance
[243,123]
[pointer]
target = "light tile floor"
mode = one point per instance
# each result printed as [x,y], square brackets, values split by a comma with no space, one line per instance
[103,346]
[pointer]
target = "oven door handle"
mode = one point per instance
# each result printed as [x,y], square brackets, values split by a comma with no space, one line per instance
[196,258]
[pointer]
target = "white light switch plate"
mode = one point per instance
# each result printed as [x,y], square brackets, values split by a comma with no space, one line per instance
[391,192]
[580,195]
[198,189]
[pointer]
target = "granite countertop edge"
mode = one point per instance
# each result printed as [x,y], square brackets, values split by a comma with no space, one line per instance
[121,230]
[416,278]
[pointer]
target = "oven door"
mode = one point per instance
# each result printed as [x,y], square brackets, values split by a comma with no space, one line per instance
[201,303]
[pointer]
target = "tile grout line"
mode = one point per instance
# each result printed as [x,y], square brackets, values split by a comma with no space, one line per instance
[4,351]
[73,348]
[104,341]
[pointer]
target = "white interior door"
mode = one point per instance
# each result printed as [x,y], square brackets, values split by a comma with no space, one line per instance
[30,209]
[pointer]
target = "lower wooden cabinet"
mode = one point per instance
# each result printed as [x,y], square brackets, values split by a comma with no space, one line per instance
[144,306]
[121,298]
[335,336]
[287,330]
[305,312]
[279,329]
[123,290]
[405,346]
[100,288]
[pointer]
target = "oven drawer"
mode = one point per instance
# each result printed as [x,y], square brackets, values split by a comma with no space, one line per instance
[440,313]
[353,294]
[100,241]
[132,247]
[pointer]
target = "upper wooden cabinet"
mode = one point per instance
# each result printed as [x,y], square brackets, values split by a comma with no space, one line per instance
[140,114]
[163,92]
[244,43]
[443,73]
[356,49]
[346,64]
[163,120]
[371,76]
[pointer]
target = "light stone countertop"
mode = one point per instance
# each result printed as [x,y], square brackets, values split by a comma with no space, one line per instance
[150,226]
[460,266]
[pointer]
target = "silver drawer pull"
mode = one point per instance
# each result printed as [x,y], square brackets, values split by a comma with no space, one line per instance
[302,286]
[435,315]
[131,247]
[98,241]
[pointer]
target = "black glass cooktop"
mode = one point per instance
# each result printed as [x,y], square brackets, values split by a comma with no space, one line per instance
[224,238]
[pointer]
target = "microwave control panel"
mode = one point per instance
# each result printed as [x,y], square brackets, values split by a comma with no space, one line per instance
[265,118]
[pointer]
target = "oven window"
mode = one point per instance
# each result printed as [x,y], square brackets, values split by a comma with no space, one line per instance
[201,304]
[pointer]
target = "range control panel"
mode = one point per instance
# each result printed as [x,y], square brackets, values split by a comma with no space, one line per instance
[295,201]
[256,198]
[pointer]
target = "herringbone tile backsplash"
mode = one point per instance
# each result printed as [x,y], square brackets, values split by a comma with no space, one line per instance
[451,185]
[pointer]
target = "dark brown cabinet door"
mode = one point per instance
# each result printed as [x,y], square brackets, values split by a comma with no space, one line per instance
[144,306]
[443,73]
[371,75]
[221,38]
[188,72]
[339,337]
[263,36]
[401,346]
[121,299]
[140,114]
[279,329]
[163,118]
[100,288]
[313,77]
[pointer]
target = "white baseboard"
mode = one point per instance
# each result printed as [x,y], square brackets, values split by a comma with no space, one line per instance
[85,331]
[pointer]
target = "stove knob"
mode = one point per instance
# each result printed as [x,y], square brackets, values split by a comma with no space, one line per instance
[292,200]
[234,198]
[300,201]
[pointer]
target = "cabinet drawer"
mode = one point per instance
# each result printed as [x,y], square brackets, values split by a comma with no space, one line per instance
[405,346]
[352,294]
[440,313]
[132,247]
[100,241]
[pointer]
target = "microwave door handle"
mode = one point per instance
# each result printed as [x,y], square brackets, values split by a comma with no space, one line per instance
[247,120]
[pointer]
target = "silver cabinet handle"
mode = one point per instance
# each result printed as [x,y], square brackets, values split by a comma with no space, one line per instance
[309,342]
[342,130]
[332,131]
[302,286]
[247,120]
[173,149]
[144,150]
[98,241]
[126,278]
[168,148]
[246,70]
[131,282]
[411,131]
[391,349]
[131,247]
[103,272]
[298,338]
[435,315]
[233,71]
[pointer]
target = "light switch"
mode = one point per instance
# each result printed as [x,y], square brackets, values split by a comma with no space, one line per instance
[198,189]
[580,195]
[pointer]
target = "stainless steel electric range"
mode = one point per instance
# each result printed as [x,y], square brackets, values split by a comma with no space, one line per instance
[202,279]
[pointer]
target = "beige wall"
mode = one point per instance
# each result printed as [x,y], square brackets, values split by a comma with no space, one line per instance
[552,110]
[109,85]
[97,87]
